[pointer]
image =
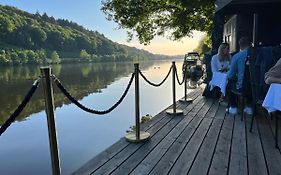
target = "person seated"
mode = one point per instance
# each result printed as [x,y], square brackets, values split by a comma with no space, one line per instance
[236,76]
[274,74]
[220,63]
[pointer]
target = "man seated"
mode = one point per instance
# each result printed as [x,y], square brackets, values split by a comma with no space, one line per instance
[236,76]
[274,74]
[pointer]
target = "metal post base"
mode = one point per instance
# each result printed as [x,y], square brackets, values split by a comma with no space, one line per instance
[188,100]
[171,112]
[131,137]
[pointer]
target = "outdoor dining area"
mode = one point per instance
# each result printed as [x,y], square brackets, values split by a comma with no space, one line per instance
[256,71]
[264,92]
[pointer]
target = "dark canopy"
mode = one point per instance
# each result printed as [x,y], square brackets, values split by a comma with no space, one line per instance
[237,4]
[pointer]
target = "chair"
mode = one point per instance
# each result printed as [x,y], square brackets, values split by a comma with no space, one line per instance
[254,71]
[241,96]
[258,87]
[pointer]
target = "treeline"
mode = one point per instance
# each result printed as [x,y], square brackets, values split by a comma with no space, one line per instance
[33,38]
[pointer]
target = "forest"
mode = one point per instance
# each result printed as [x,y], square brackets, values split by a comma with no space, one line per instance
[27,38]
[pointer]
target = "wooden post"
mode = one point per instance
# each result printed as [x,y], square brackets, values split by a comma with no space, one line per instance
[137,101]
[174,110]
[49,103]
[174,87]
[137,136]
[185,83]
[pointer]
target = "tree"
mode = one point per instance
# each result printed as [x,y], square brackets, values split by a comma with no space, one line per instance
[55,57]
[42,55]
[204,45]
[148,18]
[84,55]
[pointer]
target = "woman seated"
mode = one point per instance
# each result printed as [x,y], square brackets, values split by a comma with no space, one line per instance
[274,74]
[220,63]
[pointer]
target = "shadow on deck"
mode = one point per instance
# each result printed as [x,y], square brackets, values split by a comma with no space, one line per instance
[204,140]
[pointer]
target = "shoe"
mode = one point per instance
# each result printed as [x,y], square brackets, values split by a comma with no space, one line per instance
[248,110]
[221,99]
[232,110]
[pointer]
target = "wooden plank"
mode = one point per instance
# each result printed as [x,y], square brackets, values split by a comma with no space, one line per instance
[118,159]
[208,147]
[194,95]
[222,112]
[272,122]
[122,156]
[135,159]
[170,157]
[272,155]
[151,160]
[185,160]
[110,152]
[238,157]
[256,159]
[220,159]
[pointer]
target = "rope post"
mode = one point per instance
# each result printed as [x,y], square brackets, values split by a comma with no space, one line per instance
[49,102]
[174,110]
[137,136]
[185,84]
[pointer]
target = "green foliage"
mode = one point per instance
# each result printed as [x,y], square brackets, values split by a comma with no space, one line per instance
[144,119]
[204,45]
[29,38]
[146,19]
[84,55]
[55,57]
[22,56]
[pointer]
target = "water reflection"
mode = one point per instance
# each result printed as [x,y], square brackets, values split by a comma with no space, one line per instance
[24,147]
[80,80]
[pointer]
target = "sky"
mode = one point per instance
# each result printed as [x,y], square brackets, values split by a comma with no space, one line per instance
[88,14]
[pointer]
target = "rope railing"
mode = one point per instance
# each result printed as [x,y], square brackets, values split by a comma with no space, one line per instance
[50,108]
[73,100]
[154,84]
[20,108]
[183,78]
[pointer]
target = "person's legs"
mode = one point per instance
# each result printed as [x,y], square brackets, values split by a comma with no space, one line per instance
[232,97]
[248,95]
[216,92]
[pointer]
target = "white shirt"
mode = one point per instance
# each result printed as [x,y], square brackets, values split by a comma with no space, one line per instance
[217,65]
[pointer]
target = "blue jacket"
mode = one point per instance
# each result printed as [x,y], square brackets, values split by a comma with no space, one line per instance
[237,67]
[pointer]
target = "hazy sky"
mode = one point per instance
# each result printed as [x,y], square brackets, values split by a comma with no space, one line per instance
[88,14]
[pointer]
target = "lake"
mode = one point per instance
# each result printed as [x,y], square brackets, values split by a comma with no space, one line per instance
[24,147]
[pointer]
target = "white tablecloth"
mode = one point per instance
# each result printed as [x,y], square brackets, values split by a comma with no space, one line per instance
[272,101]
[219,79]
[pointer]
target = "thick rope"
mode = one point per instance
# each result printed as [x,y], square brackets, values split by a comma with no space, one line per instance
[153,84]
[64,91]
[16,113]
[183,78]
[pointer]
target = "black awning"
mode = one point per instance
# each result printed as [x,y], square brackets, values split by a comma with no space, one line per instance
[221,4]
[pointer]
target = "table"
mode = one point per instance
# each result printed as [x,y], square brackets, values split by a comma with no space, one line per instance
[219,79]
[272,100]
[272,103]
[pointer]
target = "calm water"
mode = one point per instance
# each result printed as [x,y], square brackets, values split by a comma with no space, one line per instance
[24,147]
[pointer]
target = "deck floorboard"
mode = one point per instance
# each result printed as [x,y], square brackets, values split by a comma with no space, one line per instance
[204,140]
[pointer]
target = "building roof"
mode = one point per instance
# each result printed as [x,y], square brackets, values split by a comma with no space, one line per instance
[220,4]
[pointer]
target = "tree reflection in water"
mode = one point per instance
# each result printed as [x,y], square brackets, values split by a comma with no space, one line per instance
[79,79]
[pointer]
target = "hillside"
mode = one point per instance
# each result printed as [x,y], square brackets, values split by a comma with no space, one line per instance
[35,38]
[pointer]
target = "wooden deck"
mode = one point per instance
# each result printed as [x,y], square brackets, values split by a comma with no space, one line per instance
[202,141]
